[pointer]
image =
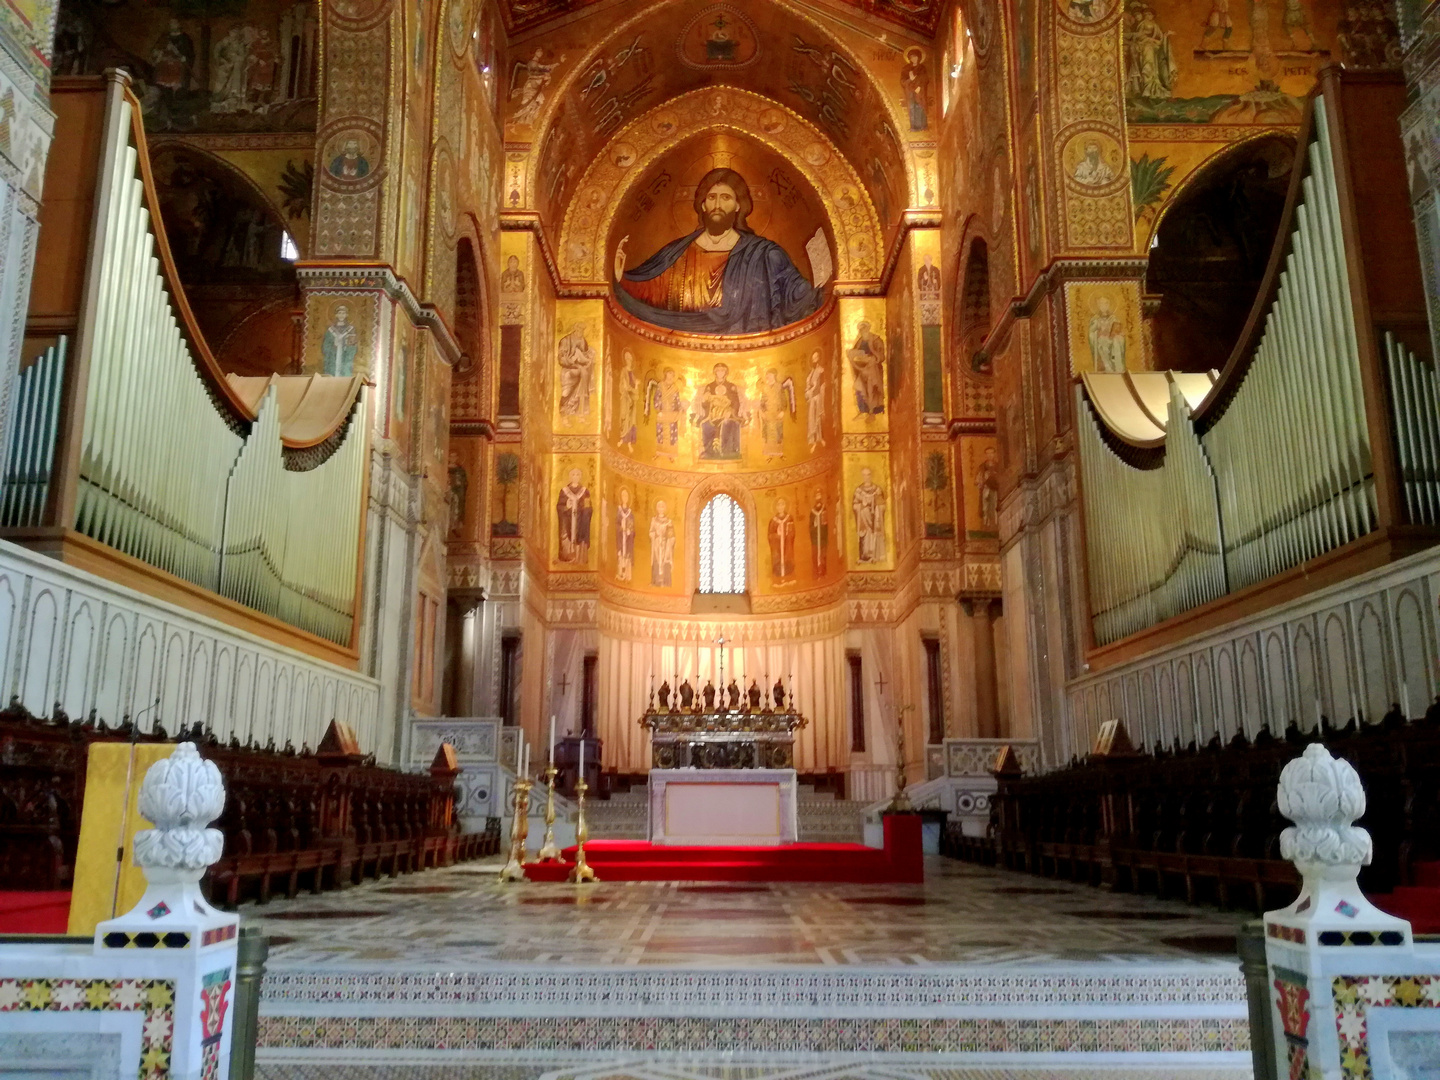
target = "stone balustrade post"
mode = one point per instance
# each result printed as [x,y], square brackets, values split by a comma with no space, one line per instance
[1331,925]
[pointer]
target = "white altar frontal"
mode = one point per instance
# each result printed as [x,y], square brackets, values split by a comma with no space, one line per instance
[723,806]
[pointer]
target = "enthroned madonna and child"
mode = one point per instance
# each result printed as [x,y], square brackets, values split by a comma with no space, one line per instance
[722,278]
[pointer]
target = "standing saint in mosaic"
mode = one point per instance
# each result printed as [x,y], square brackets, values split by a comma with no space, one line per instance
[624,537]
[868,505]
[819,535]
[629,404]
[574,512]
[577,365]
[867,365]
[777,397]
[815,403]
[782,543]
[662,547]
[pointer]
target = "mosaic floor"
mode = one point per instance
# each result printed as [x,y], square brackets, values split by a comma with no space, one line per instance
[642,1070]
[462,919]
[975,975]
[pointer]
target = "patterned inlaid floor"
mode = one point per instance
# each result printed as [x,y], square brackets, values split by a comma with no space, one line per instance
[644,1070]
[975,975]
[463,919]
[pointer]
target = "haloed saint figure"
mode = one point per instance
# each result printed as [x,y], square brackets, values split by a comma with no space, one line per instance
[723,278]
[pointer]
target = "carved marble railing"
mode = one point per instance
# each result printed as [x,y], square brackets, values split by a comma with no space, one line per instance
[1351,993]
[166,971]
[1351,650]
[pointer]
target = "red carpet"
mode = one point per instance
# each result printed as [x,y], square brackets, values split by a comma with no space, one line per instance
[1419,903]
[638,860]
[34,912]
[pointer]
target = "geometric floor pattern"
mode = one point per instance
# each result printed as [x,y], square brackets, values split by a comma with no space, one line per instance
[640,1070]
[976,974]
[464,919]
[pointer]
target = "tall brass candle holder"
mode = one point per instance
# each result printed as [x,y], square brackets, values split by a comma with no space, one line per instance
[519,833]
[581,872]
[548,851]
[901,803]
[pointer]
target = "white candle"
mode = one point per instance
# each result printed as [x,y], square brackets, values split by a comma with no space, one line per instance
[582,757]
[552,740]
[525,759]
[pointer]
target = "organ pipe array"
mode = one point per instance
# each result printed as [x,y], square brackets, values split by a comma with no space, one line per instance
[1276,465]
[169,468]
[1159,553]
[1417,413]
[278,555]
[32,439]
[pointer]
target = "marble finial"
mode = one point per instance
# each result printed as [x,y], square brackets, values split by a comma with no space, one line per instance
[181,795]
[1323,796]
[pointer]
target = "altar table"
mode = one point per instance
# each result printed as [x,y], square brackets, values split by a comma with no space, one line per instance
[723,806]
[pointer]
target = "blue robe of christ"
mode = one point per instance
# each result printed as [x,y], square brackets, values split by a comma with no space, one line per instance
[760,290]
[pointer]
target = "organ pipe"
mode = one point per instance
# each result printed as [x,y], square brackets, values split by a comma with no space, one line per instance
[32,441]
[169,470]
[1276,465]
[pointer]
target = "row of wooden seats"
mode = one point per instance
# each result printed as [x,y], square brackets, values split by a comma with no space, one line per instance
[317,869]
[319,819]
[1202,823]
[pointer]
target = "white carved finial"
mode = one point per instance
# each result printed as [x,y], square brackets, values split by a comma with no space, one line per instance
[1323,796]
[181,794]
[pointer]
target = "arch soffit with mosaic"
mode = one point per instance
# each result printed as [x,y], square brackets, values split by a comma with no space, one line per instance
[162,143]
[1206,170]
[557,99]
[604,183]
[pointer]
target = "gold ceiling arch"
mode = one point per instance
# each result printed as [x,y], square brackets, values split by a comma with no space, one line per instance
[879,108]
[859,254]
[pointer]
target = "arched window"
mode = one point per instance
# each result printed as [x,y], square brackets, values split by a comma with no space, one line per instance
[975,307]
[722,546]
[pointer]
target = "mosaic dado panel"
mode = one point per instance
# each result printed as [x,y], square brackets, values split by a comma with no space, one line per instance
[770,1034]
[521,990]
[976,757]
[473,740]
[1356,995]
[155,998]
[583,1066]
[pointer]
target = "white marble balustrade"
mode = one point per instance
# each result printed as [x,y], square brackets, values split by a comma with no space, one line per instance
[70,637]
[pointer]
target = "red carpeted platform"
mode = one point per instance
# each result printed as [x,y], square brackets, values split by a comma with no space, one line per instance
[34,912]
[901,860]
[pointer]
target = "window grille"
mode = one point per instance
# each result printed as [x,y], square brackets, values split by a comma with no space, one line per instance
[722,546]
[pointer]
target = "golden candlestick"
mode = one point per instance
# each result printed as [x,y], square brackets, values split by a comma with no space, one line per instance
[548,851]
[519,833]
[581,872]
[900,804]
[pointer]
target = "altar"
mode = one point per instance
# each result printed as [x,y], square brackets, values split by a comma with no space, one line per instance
[751,807]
